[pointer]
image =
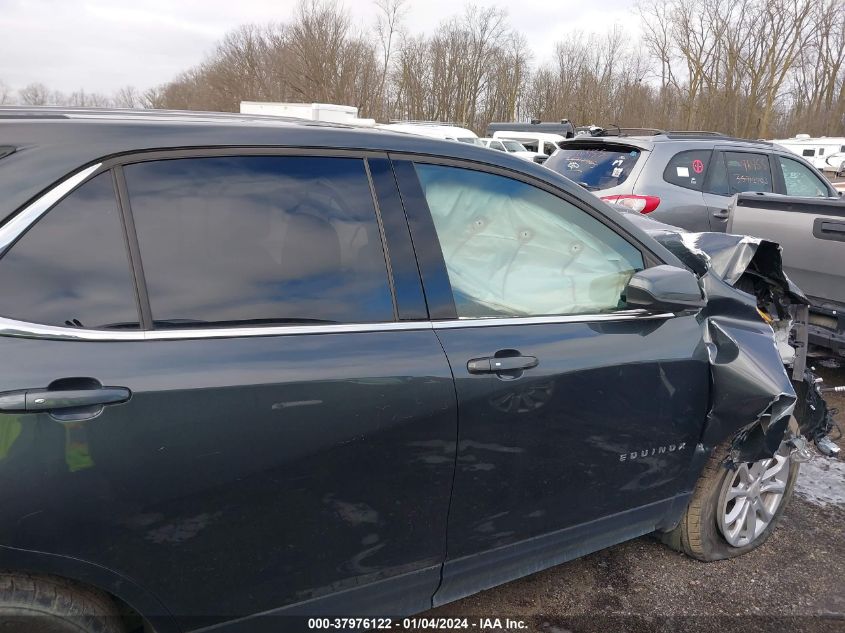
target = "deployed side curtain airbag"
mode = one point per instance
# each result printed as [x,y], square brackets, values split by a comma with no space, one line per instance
[513,249]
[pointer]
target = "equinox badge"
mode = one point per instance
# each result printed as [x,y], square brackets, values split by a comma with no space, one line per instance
[671,448]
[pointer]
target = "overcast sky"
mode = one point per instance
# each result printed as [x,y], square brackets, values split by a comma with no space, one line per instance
[102,45]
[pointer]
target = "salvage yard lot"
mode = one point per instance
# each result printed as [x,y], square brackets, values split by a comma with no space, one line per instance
[794,582]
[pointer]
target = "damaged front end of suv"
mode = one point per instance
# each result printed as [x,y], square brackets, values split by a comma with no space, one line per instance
[755,332]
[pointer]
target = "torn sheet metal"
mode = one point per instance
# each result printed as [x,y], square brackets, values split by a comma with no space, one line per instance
[752,397]
[746,323]
[729,257]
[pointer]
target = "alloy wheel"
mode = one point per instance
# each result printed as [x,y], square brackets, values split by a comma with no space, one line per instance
[750,497]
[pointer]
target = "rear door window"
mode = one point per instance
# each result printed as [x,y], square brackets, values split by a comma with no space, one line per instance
[688,169]
[595,166]
[259,240]
[72,267]
[736,172]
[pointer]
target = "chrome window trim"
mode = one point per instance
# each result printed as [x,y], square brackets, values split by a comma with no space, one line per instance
[22,329]
[30,214]
[619,315]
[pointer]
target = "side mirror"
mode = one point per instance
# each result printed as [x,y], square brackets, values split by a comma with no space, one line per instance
[664,289]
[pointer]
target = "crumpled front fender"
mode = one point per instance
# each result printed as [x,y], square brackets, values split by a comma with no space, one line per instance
[752,396]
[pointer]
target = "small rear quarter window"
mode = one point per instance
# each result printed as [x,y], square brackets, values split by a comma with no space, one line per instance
[688,169]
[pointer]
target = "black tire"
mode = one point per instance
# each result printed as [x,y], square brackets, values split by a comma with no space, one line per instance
[45,604]
[698,533]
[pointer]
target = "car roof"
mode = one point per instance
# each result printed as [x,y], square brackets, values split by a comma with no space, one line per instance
[51,142]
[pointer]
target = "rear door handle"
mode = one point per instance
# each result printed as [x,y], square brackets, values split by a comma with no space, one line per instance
[722,214]
[46,400]
[494,365]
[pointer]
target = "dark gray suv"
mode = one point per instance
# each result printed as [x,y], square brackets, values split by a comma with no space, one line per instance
[258,370]
[684,178]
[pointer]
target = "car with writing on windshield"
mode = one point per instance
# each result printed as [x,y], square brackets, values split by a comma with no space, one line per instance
[685,179]
[255,371]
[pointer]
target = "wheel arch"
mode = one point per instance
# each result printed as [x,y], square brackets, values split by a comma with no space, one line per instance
[125,590]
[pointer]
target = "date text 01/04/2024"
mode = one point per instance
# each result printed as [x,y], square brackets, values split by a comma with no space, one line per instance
[417,624]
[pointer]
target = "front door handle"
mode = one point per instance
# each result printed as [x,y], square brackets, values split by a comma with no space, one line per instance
[47,400]
[722,214]
[495,365]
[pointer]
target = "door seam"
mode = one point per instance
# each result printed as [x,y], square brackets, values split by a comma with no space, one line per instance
[454,469]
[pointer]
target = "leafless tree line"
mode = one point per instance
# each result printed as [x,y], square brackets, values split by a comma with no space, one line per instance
[39,94]
[752,68]
[748,67]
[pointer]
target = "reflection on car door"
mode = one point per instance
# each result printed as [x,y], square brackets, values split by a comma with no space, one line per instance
[287,437]
[577,419]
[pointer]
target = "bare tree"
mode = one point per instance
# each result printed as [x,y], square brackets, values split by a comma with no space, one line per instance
[388,27]
[127,97]
[82,99]
[5,93]
[744,67]
[34,94]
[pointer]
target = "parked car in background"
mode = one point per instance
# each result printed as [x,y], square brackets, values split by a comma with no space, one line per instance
[685,179]
[811,233]
[512,147]
[433,129]
[236,352]
[563,128]
[542,143]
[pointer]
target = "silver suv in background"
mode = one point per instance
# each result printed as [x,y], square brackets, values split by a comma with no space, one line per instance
[685,179]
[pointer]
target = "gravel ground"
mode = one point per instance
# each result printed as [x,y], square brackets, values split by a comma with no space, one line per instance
[795,582]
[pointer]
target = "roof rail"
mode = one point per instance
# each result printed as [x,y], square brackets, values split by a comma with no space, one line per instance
[680,133]
[615,130]
[718,135]
[632,131]
[72,112]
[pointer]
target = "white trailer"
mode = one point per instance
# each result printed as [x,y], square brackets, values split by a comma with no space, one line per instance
[826,153]
[326,112]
